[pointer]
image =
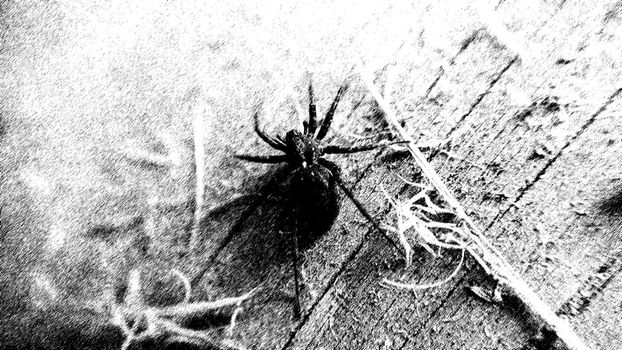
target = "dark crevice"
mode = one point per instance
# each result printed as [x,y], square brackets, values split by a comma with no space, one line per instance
[592,287]
[464,45]
[464,173]
[479,99]
[438,77]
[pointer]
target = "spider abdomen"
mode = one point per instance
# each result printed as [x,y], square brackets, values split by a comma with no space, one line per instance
[315,197]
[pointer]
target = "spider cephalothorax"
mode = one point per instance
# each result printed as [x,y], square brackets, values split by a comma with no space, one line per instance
[313,176]
[301,149]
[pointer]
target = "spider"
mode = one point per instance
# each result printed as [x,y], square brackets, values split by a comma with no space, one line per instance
[313,177]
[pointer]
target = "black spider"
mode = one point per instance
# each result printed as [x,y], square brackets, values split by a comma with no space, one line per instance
[313,177]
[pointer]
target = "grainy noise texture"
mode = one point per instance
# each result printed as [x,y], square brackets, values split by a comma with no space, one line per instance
[104,244]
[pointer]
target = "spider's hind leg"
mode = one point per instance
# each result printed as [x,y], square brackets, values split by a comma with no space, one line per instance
[334,169]
[295,252]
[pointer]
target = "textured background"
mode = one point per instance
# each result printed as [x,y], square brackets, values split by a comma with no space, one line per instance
[98,175]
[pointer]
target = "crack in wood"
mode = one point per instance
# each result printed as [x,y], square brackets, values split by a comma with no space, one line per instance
[550,162]
[525,189]
[438,77]
[465,44]
[592,287]
[471,165]
[479,99]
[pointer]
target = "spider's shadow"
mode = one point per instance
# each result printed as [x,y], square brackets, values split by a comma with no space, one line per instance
[257,247]
[612,204]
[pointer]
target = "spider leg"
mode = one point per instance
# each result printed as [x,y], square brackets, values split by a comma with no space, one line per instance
[310,128]
[334,169]
[332,149]
[263,159]
[331,111]
[274,143]
[280,138]
[295,252]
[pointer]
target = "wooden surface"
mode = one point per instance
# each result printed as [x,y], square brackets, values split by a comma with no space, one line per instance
[99,176]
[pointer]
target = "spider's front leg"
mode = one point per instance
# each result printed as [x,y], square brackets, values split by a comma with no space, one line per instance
[274,143]
[310,127]
[263,159]
[328,119]
[332,149]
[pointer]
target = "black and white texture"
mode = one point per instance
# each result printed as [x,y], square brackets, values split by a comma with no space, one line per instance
[100,102]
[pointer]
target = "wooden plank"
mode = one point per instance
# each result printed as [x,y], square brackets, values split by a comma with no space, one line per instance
[474,199]
[565,239]
[357,299]
[348,245]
